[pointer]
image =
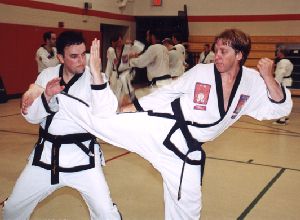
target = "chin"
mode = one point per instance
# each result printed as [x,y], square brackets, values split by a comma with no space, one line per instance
[81,70]
[220,67]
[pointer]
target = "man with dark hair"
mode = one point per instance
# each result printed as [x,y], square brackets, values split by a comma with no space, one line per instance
[173,123]
[65,154]
[156,59]
[118,70]
[46,54]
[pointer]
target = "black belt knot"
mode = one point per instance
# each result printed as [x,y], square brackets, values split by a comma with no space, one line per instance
[57,141]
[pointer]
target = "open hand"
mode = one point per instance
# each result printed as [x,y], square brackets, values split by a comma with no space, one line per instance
[95,62]
[53,87]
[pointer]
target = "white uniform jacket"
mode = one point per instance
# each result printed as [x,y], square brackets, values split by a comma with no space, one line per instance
[156,59]
[202,104]
[81,154]
[176,63]
[283,71]
[44,59]
[209,58]
[117,65]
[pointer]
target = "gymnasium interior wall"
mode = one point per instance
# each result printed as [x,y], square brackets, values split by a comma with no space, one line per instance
[22,24]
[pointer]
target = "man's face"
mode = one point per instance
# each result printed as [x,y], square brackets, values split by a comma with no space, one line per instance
[226,58]
[52,40]
[74,58]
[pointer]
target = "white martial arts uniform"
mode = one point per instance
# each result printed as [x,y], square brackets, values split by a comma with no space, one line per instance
[283,71]
[65,155]
[207,58]
[176,120]
[44,59]
[156,59]
[119,72]
[176,63]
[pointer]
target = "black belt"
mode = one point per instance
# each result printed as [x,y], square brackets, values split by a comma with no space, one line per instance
[285,77]
[192,143]
[155,79]
[57,141]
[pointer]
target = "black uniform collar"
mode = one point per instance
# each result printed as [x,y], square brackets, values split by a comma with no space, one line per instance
[71,82]
[219,89]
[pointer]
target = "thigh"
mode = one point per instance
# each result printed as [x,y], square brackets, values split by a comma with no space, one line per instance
[33,185]
[93,188]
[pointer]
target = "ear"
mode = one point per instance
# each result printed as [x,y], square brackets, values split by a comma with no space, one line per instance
[239,56]
[60,58]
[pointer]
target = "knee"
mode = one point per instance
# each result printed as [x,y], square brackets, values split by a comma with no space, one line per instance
[106,212]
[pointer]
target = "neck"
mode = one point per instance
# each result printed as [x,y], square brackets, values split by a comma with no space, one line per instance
[48,47]
[67,76]
[230,75]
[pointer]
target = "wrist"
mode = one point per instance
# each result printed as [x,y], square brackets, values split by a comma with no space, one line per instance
[47,97]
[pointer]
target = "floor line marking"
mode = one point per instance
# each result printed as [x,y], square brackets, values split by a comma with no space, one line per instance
[260,195]
[118,156]
[253,163]
[3,116]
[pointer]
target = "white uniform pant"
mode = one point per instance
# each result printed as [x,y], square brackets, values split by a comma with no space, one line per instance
[144,135]
[34,185]
[121,85]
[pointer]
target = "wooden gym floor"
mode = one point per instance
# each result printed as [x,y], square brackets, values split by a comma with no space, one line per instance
[252,172]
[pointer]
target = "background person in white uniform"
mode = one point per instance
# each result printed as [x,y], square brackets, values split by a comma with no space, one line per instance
[156,59]
[283,72]
[207,55]
[176,64]
[46,55]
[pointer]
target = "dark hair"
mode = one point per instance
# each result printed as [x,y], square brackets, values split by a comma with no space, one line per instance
[47,35]
[177,36]
[238,40]
[68,38]
[115,37]
[282,50]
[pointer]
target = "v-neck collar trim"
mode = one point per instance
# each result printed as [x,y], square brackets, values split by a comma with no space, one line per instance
[219,89]
[71,82]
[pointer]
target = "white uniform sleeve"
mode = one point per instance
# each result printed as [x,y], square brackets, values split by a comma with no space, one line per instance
[144,59]
[166,94]
[104,102]
[262,107]
[43,56]
[40,108]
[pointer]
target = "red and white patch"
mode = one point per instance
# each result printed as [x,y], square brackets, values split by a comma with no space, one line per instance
[243,99]
[201,96]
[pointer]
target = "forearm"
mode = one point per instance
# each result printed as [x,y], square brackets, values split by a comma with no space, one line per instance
[274,88]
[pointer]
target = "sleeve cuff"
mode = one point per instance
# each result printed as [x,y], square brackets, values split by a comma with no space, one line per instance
[99,87]
[45,104]
[282,100]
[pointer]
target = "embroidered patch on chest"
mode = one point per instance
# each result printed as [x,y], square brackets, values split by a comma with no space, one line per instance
[201,96]
[243,99]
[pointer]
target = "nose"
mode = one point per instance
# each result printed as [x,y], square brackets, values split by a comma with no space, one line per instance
[82,58]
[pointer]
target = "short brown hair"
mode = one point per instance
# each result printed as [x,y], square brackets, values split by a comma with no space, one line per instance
[238,40]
